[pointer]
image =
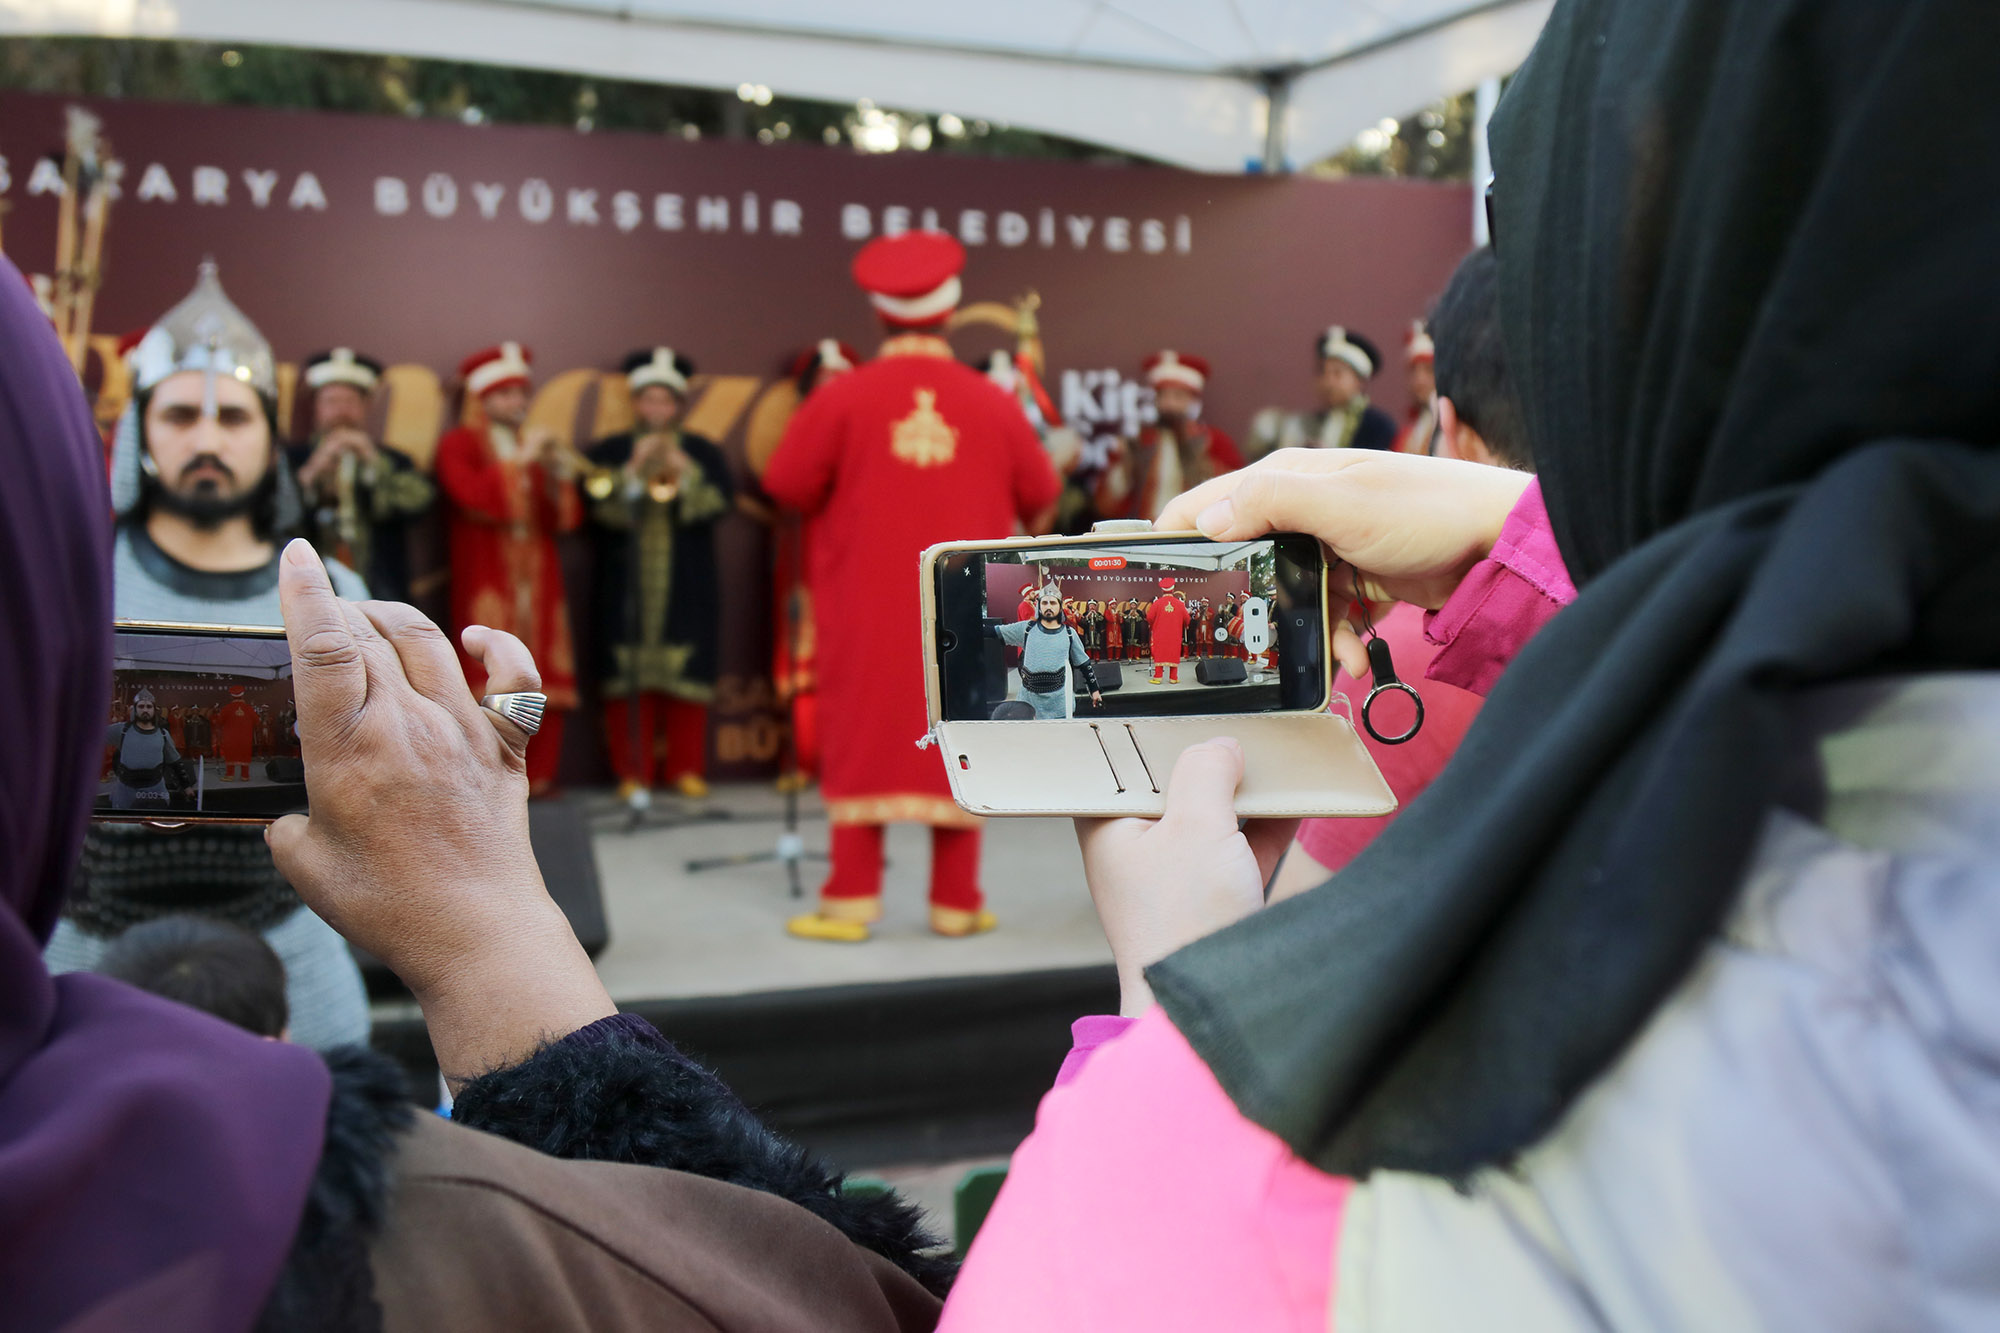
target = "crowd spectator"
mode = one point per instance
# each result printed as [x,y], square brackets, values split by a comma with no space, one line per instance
[1669,1005]
[161,1170]
[203,495]
[204,964]
[1472,389]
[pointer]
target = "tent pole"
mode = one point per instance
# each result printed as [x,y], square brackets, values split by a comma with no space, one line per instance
[1277,85]
[1484,98]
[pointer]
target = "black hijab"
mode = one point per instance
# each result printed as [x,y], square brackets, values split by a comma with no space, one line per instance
[1752,301]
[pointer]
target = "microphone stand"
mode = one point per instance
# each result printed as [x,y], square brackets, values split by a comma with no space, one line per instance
[790,851]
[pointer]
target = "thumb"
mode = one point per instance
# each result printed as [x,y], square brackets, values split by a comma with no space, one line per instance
[287,838]
[1201,792]
[329,680]
[1272,500]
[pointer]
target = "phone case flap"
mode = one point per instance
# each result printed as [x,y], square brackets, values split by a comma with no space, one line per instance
[1303,765]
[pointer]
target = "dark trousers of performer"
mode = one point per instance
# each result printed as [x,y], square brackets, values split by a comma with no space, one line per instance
[675,725]
[857,870]
[545,751]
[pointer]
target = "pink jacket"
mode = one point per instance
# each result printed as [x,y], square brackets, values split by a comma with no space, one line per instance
[1140,1165]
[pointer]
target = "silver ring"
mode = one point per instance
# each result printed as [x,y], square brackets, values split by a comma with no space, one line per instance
[523,709]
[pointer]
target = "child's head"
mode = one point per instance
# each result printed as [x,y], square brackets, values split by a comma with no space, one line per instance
[209,965]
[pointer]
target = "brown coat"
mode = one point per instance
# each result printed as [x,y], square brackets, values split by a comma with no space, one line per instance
[485,1236]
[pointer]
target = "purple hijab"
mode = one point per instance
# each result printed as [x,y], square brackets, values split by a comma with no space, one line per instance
[153,1161]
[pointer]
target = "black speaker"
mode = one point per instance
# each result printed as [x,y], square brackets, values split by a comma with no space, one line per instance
[1220,671]
[1109,677]
[559,832]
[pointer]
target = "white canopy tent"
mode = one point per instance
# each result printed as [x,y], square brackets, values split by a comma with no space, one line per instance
[1191,82]
[1211,556]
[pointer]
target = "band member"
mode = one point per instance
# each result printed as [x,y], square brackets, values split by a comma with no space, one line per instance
[509,487]
[1420,356]
[1166,621]
[361,495]
[794,639]
[658,591]
[1114,631]
[236,735]
[200,734]
[1140,637]
[1093,629]
[144,760]
[1176,452]
[911,449]
[1344,419]
[1050,650]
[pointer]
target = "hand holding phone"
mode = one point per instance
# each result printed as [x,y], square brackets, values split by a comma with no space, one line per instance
[1402,527]
[417,845]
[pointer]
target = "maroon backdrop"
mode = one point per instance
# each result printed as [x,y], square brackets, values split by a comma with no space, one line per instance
[420,241]
[1004,584]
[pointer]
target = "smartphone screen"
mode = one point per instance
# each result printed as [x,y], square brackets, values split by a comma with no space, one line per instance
[1168,626]
[200,726]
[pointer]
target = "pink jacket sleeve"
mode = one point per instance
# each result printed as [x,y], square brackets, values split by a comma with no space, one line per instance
[1503,602]
[1144,1200]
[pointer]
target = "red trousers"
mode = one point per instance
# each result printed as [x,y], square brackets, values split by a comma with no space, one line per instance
[857,865]
[545,754]
[805,733]
[665,723]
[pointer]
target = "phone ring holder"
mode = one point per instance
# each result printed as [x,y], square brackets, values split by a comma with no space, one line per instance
[1382,669]
[1368,707]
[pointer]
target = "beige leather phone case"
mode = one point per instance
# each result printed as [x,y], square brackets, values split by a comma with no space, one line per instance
[1295,764]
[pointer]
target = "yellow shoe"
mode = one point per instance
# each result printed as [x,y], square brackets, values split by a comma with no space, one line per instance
[632,792]
[814,926]
[691,786]
[957,923]
[791,782]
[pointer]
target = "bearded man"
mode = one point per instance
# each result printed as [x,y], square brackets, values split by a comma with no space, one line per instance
[147,772]
[204,499]
[1050,650]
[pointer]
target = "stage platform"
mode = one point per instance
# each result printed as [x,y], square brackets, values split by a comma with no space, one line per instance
[907,1048]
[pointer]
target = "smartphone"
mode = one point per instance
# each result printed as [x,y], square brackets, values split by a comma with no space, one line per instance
[1211,639]
[1201,628]
[200,727]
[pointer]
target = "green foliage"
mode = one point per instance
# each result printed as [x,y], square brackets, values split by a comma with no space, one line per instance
[1434,143]
[399,85]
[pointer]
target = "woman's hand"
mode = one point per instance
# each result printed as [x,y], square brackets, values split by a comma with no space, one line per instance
[1160,884]
[417,845]
[1407,528]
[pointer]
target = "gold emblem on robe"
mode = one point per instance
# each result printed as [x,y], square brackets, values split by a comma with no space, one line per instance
[924,438]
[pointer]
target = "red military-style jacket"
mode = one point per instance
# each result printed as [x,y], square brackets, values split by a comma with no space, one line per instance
[910,450]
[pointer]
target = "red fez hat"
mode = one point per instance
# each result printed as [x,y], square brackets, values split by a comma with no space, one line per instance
[1171,367]
[1167,584]
[912,278]
[496,368]
[236,690]
[1417,344]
